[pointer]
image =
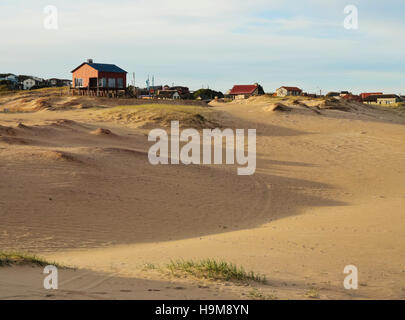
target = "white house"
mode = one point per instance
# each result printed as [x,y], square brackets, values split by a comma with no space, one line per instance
[168,94]
[288,91]
[28,83]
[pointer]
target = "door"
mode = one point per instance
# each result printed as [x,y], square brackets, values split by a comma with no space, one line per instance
[93,82]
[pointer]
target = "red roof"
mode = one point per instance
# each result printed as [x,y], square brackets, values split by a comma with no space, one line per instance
[367,94]
[243,89]
[291,88]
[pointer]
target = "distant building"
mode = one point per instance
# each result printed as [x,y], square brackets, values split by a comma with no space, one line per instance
[168,95]
[154,89]
[66,83]
[367,94]
[288,91]
[181,90]
[9,77]
[54,82]
[383,99]
[245,91]
[28,83]
[99,76]
[38,80]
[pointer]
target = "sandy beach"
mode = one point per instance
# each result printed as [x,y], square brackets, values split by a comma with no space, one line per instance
[76,187]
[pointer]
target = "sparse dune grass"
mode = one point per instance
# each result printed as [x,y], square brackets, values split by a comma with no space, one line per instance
[256,294]
[214,270]
[19,259]
[162,114]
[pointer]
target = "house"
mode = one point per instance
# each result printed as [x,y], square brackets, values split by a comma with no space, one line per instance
[54,82]
[66,82]
[168,95]
[383,99]
[99,76]
[367,94]
[388,99]
[288,91]
[9,77]
[28,83]
[245,91]
[154,89]
[344,93]
[38,80]
[181,90]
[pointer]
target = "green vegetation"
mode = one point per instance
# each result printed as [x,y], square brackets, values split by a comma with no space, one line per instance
[149,266]
[14,258]
[207,94]
[214,270]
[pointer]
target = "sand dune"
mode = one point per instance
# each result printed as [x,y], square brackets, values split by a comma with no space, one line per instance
[76,186]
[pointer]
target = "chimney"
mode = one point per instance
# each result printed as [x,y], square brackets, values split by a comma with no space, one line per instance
[90,61]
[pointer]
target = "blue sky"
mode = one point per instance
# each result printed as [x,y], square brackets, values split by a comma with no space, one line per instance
[213,43]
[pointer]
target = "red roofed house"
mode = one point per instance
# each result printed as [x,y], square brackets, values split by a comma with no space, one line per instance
[98,77]
[288,91]
[246,91]
[365,95]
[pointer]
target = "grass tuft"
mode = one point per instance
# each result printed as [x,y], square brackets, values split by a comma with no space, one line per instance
[15,258]
[255,294]
[214,270]
[313,293]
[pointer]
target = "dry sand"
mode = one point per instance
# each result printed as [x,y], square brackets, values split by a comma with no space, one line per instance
[76,187]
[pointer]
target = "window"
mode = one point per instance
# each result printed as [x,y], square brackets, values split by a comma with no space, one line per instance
[120,82]
[78,82]
[102,82]
[111,82]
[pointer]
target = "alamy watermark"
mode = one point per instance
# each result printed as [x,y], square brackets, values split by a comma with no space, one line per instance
[351,282]
[351,21]
[51,18]
[51,280]
[190,153]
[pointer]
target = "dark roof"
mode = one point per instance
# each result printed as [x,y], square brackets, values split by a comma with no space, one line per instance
[291,88]
[103,67]
[374,97]
[243,89]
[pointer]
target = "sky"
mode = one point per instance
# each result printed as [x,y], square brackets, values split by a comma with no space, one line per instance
[213,43]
